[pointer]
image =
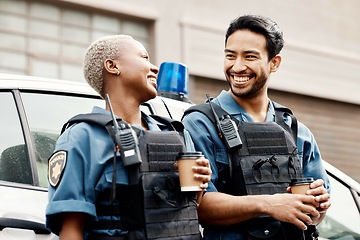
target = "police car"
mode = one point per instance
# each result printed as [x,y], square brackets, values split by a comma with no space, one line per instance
[33,111]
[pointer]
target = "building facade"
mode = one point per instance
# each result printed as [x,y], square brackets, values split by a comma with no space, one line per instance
[318,78]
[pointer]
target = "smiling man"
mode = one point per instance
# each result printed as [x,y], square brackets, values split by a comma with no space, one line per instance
[248,196]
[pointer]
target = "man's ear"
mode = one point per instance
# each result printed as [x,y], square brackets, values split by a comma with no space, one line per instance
[111,67]
[275,63]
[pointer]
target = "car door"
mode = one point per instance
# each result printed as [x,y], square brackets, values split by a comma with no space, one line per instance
[21,200]
[342,221]
[30,124]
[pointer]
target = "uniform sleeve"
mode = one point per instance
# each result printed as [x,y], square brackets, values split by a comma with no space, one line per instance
[310,155]
[74,192]
[188,142]
[206,140]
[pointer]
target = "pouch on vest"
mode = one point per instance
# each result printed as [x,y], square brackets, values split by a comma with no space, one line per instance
[168,212]
[267,161]
[270,229]
[265,164]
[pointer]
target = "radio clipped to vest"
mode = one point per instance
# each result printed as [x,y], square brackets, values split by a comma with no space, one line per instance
[125,139]
[227,128]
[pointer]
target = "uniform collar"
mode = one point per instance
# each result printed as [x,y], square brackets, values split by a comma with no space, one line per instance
[228,103]
[152,123]
[100,110]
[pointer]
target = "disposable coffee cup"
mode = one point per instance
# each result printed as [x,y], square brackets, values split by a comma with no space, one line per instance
[186,160]
[300,185]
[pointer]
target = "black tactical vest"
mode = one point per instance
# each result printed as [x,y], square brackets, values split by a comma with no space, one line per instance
[151,206]
[265,163]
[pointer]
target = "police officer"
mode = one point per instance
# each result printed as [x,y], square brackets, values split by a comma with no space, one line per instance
[252,47]
[81,166]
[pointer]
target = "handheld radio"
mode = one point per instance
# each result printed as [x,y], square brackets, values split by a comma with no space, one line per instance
[125,139]
[227,128]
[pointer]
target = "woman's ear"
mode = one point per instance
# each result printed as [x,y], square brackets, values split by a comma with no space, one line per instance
[111,67]
[275,63]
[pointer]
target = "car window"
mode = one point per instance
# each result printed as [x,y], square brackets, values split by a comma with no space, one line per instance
[343,218]
[14,160]
[46,114]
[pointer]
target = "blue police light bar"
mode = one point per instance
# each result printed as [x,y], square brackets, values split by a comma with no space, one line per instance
[172,81]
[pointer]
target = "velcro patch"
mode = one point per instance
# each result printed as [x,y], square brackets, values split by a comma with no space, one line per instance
[56,166]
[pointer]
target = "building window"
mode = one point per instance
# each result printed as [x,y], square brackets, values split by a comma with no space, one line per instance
[47,40]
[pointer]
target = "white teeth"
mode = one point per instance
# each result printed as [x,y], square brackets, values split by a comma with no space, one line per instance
[241,79]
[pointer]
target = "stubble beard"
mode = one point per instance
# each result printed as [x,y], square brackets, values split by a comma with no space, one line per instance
[253,91]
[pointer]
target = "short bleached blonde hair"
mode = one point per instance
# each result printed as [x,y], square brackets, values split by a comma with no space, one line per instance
[108,47]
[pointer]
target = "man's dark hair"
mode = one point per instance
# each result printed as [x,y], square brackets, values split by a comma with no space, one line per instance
[261,25]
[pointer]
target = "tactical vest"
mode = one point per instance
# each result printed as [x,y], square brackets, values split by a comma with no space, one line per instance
[151,206]
[264,164]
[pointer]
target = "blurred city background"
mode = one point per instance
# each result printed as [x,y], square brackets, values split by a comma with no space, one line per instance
[318,79]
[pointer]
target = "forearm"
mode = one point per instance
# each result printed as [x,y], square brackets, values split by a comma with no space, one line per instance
[223,209]
[72,227]
[68,235]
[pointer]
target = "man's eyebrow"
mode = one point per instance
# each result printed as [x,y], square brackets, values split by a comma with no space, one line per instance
[246,52]
[228,51]
[252,52]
